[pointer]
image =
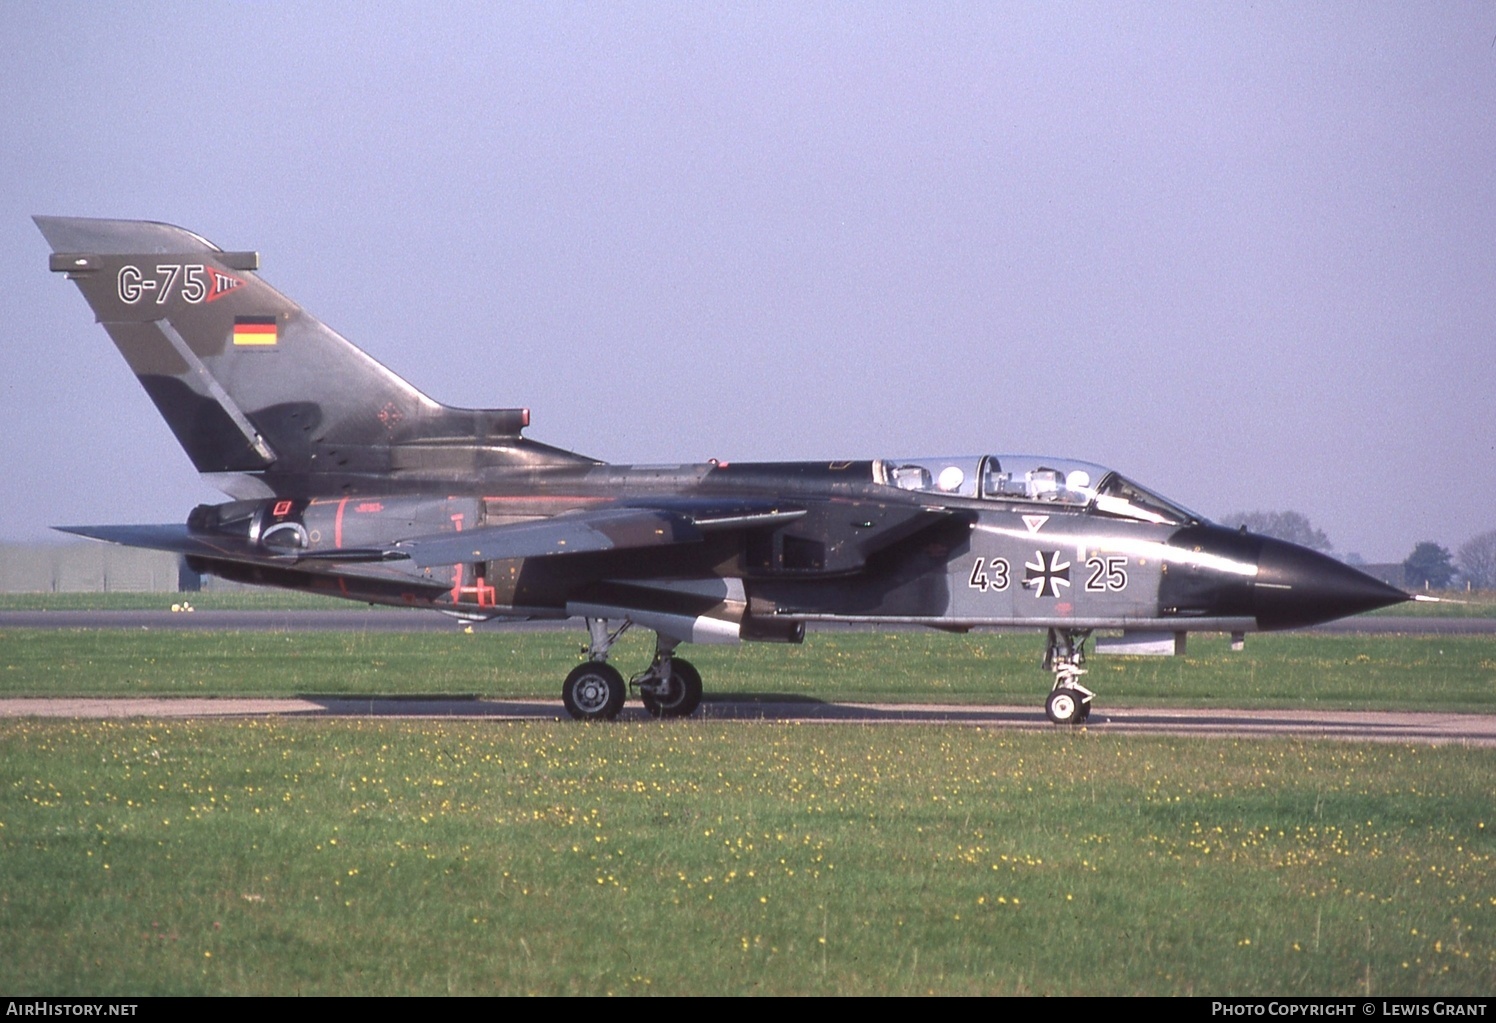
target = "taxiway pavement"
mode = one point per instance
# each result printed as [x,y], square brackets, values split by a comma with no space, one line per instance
[1374,726]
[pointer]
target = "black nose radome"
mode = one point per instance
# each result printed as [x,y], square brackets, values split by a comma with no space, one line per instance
[1295,587]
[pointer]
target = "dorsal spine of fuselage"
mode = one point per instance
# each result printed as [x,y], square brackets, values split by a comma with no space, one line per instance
[250,383]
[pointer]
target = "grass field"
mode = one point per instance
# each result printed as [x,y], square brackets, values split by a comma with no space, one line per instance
[381,857]
[1456,673]
[691,857]
[236,600]
[1451,604]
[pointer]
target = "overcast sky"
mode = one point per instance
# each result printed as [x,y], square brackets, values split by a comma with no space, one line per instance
[1244,253]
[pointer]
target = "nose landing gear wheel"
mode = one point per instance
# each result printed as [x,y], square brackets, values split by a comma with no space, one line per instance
[1067,707]
[677,698]
[593,692]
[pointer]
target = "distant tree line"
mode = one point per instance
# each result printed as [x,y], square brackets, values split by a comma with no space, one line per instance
[1429,565]
[1292,526]
[1477,561]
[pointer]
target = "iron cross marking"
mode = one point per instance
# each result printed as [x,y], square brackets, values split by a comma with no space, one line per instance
[1046,578]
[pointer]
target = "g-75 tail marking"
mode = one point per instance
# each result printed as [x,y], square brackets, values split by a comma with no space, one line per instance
[251,383]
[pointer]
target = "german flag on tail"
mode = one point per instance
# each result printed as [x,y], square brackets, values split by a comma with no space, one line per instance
[255,330]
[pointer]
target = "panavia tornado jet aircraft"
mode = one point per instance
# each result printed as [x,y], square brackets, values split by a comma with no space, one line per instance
[349,481]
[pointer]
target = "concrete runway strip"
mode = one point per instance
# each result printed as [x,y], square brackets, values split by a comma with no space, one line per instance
[1374,726]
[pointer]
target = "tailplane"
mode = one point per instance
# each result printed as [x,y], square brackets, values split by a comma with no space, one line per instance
[252,384]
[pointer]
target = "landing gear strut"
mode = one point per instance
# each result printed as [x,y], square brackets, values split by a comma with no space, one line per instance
[595,691]
[1069,702]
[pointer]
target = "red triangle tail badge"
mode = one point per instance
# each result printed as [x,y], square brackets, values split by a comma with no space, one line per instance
[221,283]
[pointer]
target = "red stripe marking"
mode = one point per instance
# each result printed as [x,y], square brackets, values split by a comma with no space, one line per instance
[485,596]
[457,569]
[337,525]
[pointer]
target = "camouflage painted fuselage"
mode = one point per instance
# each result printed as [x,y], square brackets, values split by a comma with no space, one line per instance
[350,481]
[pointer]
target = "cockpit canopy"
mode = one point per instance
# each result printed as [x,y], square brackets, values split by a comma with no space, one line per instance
[1034,480]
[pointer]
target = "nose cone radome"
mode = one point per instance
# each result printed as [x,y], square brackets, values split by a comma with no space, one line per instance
[1296,587]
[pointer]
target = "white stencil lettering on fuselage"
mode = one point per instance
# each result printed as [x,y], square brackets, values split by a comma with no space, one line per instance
[993,574]
[1108,575]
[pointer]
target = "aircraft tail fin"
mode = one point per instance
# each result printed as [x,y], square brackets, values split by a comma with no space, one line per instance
[251,383]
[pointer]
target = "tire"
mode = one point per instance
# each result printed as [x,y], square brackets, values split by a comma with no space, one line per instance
[1065,707]
[683,695]
[593,692]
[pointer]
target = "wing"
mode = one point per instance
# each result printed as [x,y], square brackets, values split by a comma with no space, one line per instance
[178,539]
[579,532]
[602,529]
[570,533]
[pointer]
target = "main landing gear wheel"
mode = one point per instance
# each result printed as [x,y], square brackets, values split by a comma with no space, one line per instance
[594,692]
[677,698]
[1067,707]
